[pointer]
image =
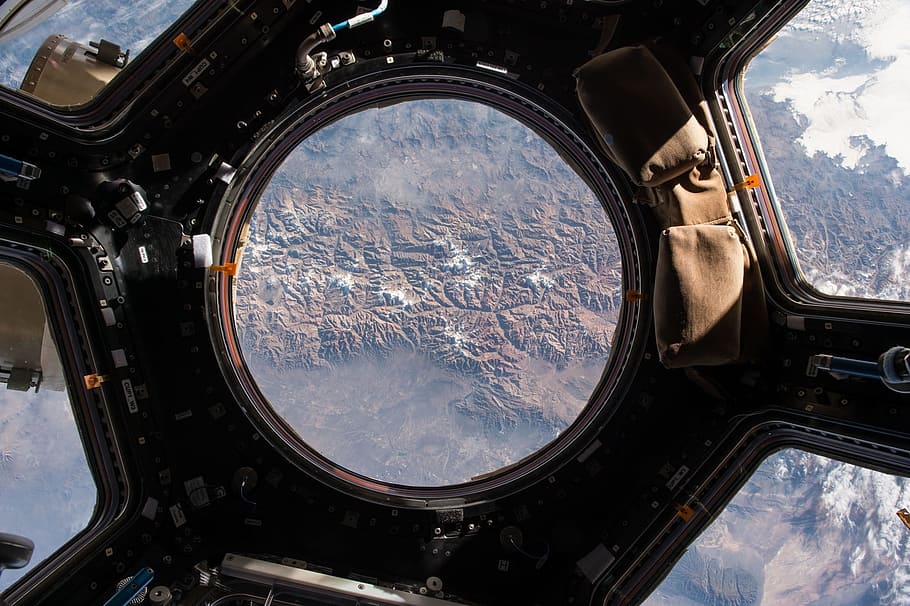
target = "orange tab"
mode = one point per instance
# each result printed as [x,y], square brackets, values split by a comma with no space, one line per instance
[228,268]
[182,41]
[634,296]
[751,182]
[684,512]
[94,381]
[904,515]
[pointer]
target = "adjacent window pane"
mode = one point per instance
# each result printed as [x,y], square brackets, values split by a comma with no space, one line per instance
[828,97]
[429,292]
[803,530]
[65,72]
[47,491]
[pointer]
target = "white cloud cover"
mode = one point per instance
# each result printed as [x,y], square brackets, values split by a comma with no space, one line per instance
[839,108]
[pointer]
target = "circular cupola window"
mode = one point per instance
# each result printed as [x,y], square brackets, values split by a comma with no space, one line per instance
[428,293]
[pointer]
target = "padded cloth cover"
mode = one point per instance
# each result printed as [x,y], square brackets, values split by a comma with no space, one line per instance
[709,305]
[642,118]
[697,196]
[698,295]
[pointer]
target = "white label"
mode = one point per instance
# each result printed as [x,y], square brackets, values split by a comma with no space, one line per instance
[150,510]
[108,315]
[492,68]
[360,20]
[177,515]
[143,255]
[119,358]
[130,396]
[677,477]
[196,72]
[186,414]
[589,451]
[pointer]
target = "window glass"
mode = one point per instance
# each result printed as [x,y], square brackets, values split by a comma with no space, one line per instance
[47,491]
[65,72]
[804,529]
[429,292]
[828,98]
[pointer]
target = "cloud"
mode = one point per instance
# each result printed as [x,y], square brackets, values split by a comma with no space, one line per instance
[860,95]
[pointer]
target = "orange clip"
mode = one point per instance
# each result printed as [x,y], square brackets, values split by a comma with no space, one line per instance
[904,515]
[684,512]
[634,296]
[228,268]
[751,182]
[182,41]
[94,381]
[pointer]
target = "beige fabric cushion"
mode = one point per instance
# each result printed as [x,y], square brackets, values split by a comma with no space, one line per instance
[709,305]
[698,291]
[698,196]
[644,122]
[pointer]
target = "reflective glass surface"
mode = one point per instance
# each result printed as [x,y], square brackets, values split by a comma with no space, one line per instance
[828,98]
[131,25]
[429,292]
[804,529]
[47,491]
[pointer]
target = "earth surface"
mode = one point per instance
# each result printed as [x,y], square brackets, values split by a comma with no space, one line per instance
[442,274]
[440,309]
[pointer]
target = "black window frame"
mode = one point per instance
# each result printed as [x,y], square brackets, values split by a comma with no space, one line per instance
[741,154]
[420,82]
[43,263]
[732,471]
[792,300]
[139,75]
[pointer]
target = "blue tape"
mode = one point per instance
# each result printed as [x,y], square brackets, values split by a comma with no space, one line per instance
[131,590]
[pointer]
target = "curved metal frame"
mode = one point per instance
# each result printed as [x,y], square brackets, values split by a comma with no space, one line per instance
[396,85]
[775,248]
[102,449]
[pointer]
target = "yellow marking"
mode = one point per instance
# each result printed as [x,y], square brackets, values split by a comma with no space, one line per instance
[684,512]
[751,182]
[182,41]
[94,381]
[229,269]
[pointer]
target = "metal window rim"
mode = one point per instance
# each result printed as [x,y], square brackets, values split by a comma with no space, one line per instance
[390,86]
